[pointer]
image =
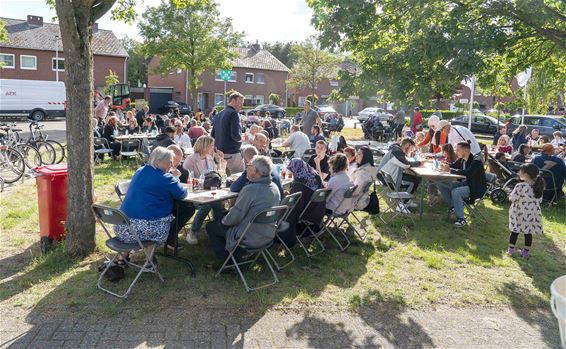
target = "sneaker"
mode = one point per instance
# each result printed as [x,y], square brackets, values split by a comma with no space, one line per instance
[401,208]
[460,222]
[412,204]
[191,238]
[511,250]
[525,253]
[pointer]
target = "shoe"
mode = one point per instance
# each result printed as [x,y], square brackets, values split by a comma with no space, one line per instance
[511,251]
[401,208]
[412,204]
[525,253]
[172,248]
[191,238]
[460,222]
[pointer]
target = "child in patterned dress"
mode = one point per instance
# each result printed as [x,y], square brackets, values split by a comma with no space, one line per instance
[525,215]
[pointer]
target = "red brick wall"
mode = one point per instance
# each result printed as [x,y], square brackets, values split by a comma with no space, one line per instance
[102,64]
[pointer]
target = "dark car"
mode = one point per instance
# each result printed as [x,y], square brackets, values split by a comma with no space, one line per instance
[480,123]
[323,110]
[183,107]
[276,111]
[546,124]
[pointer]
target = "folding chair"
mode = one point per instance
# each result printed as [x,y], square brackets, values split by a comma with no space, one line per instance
[121,189]
[108,215]
[365,192]
[130,148]
[291,202]
[474,210]
[288,154]
[319,195]
[333,219]
[307,154]
[103,148]
[270,216]
[544,173]
[395,199]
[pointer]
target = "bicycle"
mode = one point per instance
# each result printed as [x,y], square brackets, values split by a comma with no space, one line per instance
[58,147]
[46,150]
[32,156]
[12,164]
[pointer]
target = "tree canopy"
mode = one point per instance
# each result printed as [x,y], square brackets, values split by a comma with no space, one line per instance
[137,61]
[282,51]
[192,38]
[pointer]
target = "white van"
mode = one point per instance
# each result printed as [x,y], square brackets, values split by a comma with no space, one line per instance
[34,99]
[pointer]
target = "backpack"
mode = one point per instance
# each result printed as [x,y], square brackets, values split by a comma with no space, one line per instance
[212,179]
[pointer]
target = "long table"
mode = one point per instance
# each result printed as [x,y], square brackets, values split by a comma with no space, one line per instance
[428,174]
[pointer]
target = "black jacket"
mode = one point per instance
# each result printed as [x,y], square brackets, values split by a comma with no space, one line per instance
[475,175]
[227,131]
[108,133]
[140,117]
[163,140]
[398,153]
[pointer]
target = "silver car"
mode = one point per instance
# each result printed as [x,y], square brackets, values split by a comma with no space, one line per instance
[379,112]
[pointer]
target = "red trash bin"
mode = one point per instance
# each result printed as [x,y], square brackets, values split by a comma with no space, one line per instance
[52,202]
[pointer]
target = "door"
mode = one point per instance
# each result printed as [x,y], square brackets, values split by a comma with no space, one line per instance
[157,99]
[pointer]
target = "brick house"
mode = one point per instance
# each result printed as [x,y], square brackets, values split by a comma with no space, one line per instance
[256,74]
[34,51]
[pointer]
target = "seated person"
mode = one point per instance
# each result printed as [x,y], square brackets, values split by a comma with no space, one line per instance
[543,140]
[419,137]
[504,145]
[149,201]
[181,138]
[558,140]
[548,161]
[177,170]
[207,126]
[521,155]
[133,126]
[316,136]
[149,126]
[338,183]
[248,153]
[204,160]
[165,139]
[297,141]
[394,163]
[448,153]
[260,194]
[362,175]
[457,134]
[502,131]
[339,123]
[195,131]
[261,143]
[472,188]
[109,132]
[350,153]
[250,135]
[319,161]
[534,137]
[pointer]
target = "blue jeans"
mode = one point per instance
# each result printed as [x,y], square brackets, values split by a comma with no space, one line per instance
[202,212]
[454,193]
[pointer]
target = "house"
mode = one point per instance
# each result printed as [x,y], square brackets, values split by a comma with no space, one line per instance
[256,73]
[34,51]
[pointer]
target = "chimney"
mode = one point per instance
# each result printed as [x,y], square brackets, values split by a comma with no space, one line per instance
[253,49]
[95,27]
[35,21]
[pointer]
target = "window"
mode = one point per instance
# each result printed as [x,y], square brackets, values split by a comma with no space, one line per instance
[58,64]
[28,62]
[7,60]
[248,100]
[218,99]
[249,78]
[260,78]
[334,83]
[258,99]
[302,101]
[233,77]
[548,122]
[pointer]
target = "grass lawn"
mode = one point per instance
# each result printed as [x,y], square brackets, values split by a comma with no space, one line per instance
[432,263]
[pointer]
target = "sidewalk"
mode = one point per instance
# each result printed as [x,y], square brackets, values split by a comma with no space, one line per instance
[476,327]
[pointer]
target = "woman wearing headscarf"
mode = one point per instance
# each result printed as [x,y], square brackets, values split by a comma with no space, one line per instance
[432,127]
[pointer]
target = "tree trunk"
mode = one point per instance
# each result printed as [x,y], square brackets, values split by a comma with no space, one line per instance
[76,32]
[194,91]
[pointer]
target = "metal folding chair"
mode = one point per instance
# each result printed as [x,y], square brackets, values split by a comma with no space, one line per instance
[291,202]
[270,216]
[308,154]
[108,215]
[365,192]
[130,148]
[288,154]
[395,199]
[103,148]
[121,189]
[544,173]
[319,195]
[336,220]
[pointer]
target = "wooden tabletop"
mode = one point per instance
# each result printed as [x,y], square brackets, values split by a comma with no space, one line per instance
[134,136]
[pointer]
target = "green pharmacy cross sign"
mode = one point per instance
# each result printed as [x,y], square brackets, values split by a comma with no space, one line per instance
[225,74]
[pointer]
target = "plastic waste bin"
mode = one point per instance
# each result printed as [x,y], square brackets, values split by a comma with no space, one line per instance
[52,202]
[558,305]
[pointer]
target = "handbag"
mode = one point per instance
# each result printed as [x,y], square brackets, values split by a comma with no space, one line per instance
[212,179]
[373,205]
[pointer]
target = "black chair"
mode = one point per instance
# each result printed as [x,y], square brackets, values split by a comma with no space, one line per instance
[548,177]
[307,154]
[336,219]
[130,148]
[364,193]
[101,147]
[108,215]
[319,196]
[270,216]
[121,189]
[291,202]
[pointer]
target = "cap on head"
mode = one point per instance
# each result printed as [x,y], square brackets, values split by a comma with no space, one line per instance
[433,121]
[442,124]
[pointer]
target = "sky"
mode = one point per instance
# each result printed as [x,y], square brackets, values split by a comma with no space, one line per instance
[261,20]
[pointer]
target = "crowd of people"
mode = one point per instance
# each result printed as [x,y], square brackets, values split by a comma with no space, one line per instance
[232,145]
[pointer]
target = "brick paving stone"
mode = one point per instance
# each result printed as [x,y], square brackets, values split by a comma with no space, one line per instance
[91,339]
[46,344]
[68,335]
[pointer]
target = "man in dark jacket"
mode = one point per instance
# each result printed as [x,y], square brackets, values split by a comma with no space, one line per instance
[165,139]
[142,115]
[227,133]
[472,188]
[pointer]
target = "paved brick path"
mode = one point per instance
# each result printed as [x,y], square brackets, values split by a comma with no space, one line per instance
[477,327]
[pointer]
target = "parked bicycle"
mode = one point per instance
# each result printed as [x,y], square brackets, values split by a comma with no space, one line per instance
[12,164]
[45,149]
[31,155]
[37,134]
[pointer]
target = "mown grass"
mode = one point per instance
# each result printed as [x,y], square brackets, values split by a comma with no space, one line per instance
[432,263]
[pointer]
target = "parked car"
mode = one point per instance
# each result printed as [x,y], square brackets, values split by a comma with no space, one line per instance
[546,124]
[275,110]
[379,112]
[325,109]
[480,123]
[183,107]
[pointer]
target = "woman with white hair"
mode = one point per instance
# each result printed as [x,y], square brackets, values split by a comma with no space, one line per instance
[432,127]
[149,200]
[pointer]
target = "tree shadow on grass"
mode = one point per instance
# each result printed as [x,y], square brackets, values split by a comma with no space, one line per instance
[204,311]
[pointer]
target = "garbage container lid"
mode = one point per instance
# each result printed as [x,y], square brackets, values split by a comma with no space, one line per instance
[51,170]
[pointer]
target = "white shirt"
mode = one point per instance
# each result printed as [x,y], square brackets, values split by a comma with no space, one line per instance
[462,134]
[183,140]
[299,142]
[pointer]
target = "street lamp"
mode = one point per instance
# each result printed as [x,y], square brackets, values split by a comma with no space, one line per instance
[56,57]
